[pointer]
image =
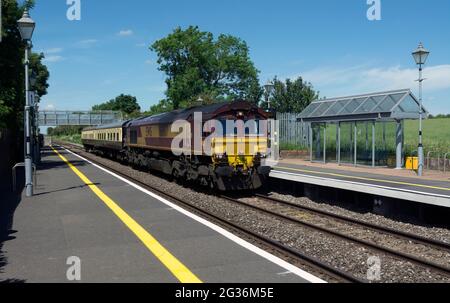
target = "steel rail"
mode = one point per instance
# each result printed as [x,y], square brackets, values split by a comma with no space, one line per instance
[374,227]
[382,249]
[314,262]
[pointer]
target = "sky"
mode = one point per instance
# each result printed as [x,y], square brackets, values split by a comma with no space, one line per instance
[330,43]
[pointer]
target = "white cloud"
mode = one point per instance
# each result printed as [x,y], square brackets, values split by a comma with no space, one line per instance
[55,50]
[50,107]
[54,58]
[125,32]
[86,43]
[438,77]
[336,81]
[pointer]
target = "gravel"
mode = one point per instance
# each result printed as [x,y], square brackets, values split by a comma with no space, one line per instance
[431,232]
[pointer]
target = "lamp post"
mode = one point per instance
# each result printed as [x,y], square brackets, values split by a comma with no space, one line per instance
[420,56]
[26,27]
[32,102]
[269,87]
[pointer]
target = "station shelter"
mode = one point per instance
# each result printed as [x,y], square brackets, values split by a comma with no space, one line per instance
[366,130]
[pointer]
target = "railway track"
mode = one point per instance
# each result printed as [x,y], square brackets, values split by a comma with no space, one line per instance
[278,213]
[331,272]
[377,228]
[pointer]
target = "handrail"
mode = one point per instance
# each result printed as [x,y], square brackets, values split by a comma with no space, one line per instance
[445,161]
[428,158]
[14,175]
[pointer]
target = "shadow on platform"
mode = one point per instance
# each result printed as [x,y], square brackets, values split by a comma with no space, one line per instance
[9,203]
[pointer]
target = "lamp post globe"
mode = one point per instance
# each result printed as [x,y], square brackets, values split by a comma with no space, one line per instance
[26,26]
[269,87]
[420,55]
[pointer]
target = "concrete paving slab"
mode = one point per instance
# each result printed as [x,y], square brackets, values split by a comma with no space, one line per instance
[66,219]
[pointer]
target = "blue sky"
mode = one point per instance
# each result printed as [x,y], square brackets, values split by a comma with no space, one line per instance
[329,42]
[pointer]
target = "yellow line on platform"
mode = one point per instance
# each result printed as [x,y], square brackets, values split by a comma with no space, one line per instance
[363,178]
[178,269]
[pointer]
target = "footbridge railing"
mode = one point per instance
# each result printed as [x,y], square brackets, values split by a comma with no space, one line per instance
[78,118]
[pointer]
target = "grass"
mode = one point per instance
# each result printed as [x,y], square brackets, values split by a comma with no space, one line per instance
[436,137]
[72,138]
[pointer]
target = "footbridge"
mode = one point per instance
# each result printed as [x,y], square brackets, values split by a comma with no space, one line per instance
[78,118]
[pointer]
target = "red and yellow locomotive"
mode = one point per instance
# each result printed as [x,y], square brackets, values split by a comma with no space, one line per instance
[221,145]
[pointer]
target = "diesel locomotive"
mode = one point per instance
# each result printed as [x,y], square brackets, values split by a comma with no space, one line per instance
[222,146]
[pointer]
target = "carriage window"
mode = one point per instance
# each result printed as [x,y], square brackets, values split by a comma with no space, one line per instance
[133,137]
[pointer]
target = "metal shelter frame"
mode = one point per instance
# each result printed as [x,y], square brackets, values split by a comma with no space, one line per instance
[390,106]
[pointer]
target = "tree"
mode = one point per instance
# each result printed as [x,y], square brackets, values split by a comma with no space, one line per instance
[127,104]
[291,96]
[163,106]
[12,78]
[196,64]
[41,73]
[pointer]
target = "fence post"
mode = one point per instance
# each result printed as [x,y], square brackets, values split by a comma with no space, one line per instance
[445,162]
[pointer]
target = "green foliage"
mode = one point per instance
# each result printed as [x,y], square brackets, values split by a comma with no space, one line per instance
[11,67]
[292,147]
[440,116]
[291,96]
[127,104]
[41,73]
[197,65]
[12,76]
[436,136]
[70,138]
[163,106]
[65,131]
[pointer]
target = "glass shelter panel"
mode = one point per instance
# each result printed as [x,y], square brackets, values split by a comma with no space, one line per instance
[331,142]
[380,144]
[347,143]
[364,143]
[318,141]
[391,138]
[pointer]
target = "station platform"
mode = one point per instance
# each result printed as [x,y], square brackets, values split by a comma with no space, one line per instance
[432,189]
[121,233]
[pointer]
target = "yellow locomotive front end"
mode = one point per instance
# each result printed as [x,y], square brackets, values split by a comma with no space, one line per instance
[243,154]
[238,161]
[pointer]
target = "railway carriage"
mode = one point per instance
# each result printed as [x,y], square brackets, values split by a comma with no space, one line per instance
[106,139]
[214,156]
